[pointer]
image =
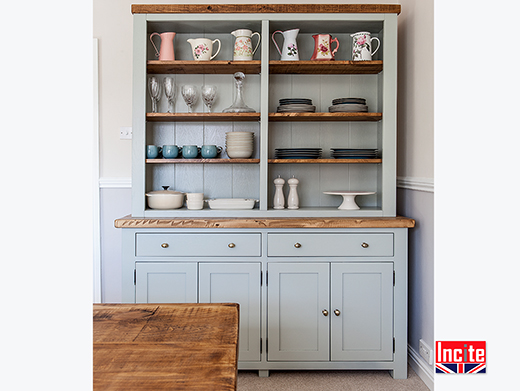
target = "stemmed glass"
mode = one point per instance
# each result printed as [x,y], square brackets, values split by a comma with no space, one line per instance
[154,88]
[208,95]
[189,94]
[170,91]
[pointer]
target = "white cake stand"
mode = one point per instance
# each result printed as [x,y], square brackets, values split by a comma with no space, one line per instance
[349,202]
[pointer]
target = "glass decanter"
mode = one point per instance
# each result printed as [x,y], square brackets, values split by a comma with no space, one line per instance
[238,105]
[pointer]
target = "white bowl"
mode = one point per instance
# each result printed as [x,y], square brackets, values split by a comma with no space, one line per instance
[239,154]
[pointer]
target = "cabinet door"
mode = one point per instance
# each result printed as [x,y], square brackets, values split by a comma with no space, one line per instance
[297,326]
[236,283]
[165,282]
[363,295]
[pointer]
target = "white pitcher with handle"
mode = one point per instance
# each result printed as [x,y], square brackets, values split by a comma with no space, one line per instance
[201,48]
[362,46]
[289,50]
[243,50]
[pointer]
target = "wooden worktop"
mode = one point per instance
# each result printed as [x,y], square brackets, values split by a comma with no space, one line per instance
[265,8]
[326,222]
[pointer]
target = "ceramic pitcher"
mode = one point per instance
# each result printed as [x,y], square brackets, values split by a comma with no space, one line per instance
[165,52]
[201,48]
[362,46]
[243,50]
[289,50]
[323,47]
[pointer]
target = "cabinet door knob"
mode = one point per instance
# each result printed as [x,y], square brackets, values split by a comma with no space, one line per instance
[165,245]
[298,245]
[336,312]
[364,245]
[325,313]
[231,245]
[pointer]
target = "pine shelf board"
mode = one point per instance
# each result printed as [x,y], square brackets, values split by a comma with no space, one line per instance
[202,67]
[203,161]
[325,161]
[279,117]
[326,67]
[199,117]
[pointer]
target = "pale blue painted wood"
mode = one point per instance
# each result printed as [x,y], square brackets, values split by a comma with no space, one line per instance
[236,283]
[198,245]
[297,296]
[170,282]
[329,245]
[363,293]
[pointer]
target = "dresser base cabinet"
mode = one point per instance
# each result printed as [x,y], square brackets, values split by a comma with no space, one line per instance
[343,310]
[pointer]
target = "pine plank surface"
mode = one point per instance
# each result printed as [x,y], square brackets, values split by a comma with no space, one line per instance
[326,67]
[214,67]
[165,346]
[199,117]
[203,161]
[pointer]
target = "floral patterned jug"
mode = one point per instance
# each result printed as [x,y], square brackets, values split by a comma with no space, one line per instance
[362,46]
[323,47]
[243,50]
[202,48]
[289,48]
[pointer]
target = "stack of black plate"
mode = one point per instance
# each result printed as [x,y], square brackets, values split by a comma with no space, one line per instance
[297,153]
[296,105]
[352,153]
[348,105]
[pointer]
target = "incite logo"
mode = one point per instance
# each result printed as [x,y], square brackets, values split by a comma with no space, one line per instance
[460,357]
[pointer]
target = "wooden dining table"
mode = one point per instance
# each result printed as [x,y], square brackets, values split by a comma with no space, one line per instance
[165,346]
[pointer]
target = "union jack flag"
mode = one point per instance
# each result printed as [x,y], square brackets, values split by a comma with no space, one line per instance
[460,368]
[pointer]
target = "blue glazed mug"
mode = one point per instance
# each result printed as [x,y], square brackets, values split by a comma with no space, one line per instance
[210,151]
[152,151]
[190,151]
[170,151]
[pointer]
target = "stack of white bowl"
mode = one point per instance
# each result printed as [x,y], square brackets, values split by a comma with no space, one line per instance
[195,200]
[239,145]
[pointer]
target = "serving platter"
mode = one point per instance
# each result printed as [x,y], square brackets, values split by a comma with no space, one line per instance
[349,202]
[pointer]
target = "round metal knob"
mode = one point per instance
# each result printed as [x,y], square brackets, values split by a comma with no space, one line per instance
[165,245]
[364,245]
[336,312]
[325,312]
[231,245]
[298,245]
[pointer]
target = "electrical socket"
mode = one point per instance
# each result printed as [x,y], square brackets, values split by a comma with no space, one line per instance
[426,352]
[125,133]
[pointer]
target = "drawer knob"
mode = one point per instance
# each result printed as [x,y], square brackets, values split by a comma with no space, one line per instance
[364,245]
[231,245]
[336,312]
[298,245]
[165,245]
[325,313]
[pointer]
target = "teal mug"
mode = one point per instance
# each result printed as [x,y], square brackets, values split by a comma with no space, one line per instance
[210,151]
[170,151]
[153,151]
[190,151]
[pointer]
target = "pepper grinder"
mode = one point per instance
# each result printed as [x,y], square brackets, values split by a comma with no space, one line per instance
[279,201]
[292,200]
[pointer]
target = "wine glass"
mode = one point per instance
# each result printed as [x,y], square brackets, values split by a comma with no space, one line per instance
[208,95]
[189,94]
[154,87]
[170,91]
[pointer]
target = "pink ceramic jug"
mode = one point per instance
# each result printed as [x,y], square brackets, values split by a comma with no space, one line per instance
[323,47]
[166,49]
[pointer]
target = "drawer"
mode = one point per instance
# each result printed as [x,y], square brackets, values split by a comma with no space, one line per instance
[330,245]
[198,245]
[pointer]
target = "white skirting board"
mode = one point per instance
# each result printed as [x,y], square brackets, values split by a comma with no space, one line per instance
[423,370]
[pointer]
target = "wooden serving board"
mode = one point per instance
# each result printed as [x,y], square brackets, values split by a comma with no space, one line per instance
[165,346]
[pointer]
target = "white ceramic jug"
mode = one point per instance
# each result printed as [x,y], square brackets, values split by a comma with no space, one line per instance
[362,46]
[289,50]
[201,48]
[243,50]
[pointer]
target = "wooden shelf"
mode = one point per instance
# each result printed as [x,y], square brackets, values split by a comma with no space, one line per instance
[325,116]
[203,161]
[325,161]
[199,117]
[326,67]
[203,67]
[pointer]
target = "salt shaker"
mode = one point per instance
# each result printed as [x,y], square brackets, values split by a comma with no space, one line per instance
[292,200]
[279,201]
